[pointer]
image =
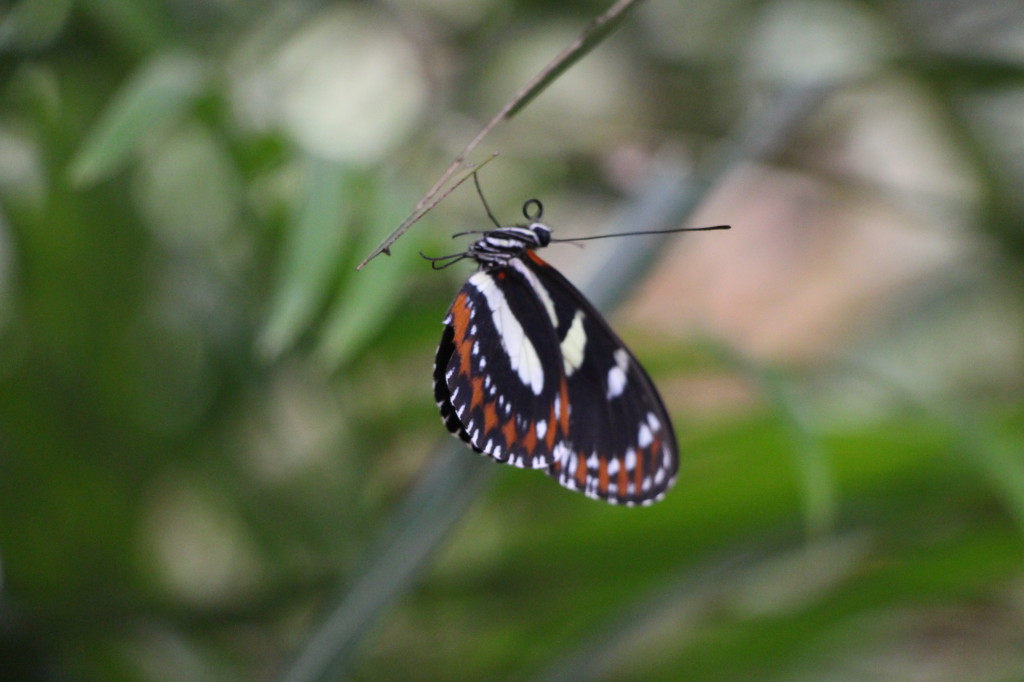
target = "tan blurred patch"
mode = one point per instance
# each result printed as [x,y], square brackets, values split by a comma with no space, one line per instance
[803,269]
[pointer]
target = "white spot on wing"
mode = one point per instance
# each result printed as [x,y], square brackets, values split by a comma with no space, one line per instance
[644,437]
[617,374]
[574,344]
[562,453]
[542,429]
[630,460]
[616,382]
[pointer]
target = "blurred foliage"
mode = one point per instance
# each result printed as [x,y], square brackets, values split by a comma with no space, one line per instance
[214,432]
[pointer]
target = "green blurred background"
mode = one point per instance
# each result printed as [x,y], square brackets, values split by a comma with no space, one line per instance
[215,433]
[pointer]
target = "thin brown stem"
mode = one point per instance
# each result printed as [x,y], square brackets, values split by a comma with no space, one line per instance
[593,34]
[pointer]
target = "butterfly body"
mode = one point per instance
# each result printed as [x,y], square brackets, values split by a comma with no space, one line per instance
[529,373]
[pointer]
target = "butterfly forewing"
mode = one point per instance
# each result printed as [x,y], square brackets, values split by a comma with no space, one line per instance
[501,388]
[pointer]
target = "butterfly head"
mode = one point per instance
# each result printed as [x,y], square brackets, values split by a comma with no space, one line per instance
[542,234]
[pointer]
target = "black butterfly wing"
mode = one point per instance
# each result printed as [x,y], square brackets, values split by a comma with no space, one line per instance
[621,446]
[498,377]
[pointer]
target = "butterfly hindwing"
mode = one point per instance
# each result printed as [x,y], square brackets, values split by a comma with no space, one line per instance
[623,448]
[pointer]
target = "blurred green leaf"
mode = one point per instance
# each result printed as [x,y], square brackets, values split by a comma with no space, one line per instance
[157,93]
[426,516]
[999,457]
[312,249]
[373,294]
[811,461]
[140,25]
[32,24]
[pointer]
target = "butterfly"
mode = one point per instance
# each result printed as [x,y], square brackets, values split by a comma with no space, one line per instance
[529,373]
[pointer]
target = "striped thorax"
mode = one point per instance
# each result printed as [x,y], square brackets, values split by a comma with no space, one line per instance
[497,247]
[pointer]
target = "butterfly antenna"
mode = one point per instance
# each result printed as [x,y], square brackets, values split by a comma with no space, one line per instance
[538,210]
[627,234]
[480,192]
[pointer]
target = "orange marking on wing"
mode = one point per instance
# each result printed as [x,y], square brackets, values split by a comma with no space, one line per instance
[623,478]
[564,417]
[530,437]
[509,429]
[602,476]
[460,325]
[581,469]
[490,417]
[478,392]
[460,317]
[465,355]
